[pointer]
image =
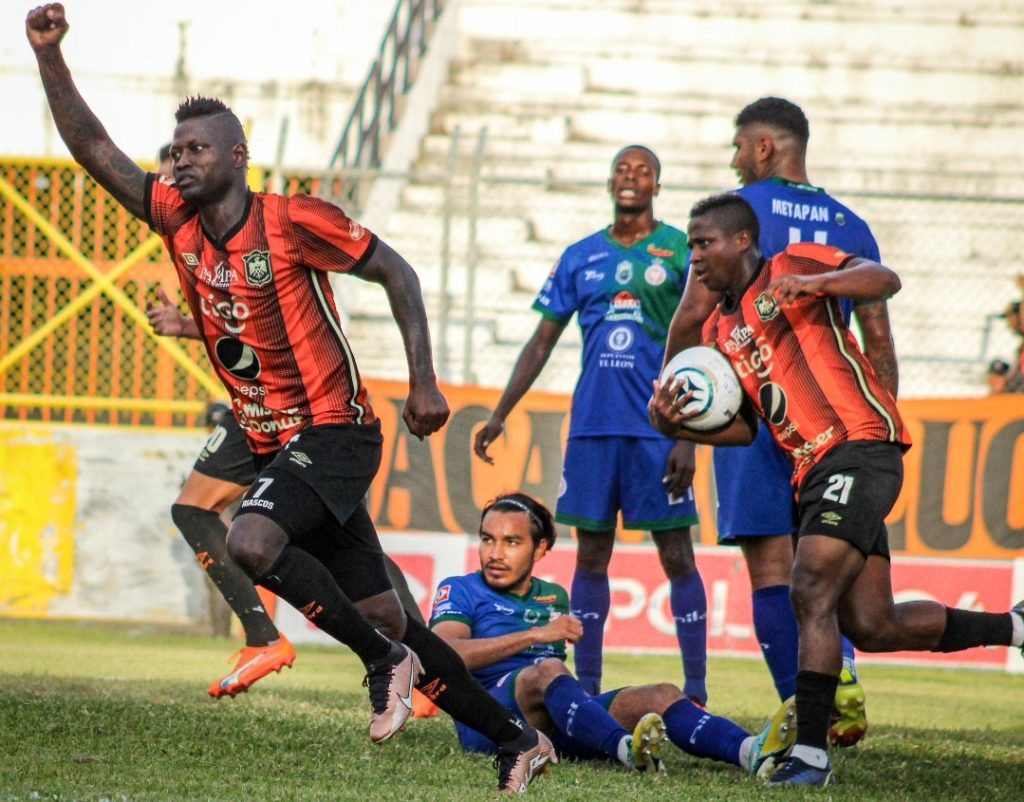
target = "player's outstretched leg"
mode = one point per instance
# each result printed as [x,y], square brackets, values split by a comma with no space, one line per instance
[266,650]
[523,752]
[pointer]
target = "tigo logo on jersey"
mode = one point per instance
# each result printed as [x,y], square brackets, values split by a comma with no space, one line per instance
[257,268]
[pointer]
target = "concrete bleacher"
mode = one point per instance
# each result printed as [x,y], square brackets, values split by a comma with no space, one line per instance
[920,99]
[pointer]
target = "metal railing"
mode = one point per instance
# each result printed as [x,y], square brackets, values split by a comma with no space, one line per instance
[390,77]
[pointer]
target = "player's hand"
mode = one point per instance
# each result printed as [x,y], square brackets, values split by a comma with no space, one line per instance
[426,410]
[665,409]
[487,434]
[45,26]
[165,319]
[680,469]
[565,627]
[788,289]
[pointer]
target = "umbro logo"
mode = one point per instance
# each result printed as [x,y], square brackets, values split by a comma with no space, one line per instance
[831,518]
[300,458]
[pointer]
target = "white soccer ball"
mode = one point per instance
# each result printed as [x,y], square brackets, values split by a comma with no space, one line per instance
[717,392]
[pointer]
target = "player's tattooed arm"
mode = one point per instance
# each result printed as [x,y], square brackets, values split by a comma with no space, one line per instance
[82,132]
[873,319]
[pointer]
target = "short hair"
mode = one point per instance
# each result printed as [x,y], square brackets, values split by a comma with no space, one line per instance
[164,153]
[776,112]
[732,213]
[645,149]
[542,525]
[200,106]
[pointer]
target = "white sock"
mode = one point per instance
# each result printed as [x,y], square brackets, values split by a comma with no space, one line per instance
[1017,639]
[747,752]
[811,756]
[623,750]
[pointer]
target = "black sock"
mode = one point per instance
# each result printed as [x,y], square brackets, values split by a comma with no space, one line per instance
[401,586]
[447,682]
[965,629]
[206,534]
[815,700]
[302,581]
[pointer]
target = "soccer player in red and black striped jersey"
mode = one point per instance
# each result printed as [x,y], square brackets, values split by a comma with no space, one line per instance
[780,325]
[253,267]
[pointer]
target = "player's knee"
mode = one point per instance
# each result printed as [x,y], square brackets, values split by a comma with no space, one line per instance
[255,546]
[594,551]
[663,695]
[385,612]
[537,678]
[677,560]
[808,597]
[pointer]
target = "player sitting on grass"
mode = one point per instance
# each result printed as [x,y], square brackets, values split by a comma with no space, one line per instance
[511,629]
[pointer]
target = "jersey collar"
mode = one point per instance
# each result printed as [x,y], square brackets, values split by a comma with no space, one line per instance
[796,185]
[222,244]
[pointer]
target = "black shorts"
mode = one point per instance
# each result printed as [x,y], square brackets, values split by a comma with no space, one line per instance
[226,455]
[313,488]
[848,494]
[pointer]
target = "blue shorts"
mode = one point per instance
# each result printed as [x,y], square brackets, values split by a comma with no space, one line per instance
[504,690]
[603,475]
[755,490]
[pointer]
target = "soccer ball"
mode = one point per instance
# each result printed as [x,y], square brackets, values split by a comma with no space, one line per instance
[717,392]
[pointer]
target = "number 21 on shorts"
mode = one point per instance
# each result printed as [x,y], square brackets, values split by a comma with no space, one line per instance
[839,487]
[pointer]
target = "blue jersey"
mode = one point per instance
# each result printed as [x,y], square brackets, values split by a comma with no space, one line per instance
[490,613]
[624,299]
[791,212]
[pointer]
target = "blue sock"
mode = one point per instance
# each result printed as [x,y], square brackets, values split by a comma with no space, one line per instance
[702,734]
[690,609]
[581,718]
[775,626]
[848,654]
[591,600]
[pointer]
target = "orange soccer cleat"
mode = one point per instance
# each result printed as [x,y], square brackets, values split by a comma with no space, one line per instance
[254,663]
[422,707]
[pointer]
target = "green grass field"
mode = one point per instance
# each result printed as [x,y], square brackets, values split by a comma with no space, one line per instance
[118,714]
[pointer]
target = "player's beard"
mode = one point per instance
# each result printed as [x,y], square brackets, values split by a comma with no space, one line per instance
[511,582]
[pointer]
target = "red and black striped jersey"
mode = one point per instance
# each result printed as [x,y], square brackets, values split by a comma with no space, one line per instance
[801,366]
[264,306]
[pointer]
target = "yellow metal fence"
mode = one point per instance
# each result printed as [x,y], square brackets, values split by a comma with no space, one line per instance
[76,272]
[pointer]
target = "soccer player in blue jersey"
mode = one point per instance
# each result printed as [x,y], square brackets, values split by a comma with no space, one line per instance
[623,283]
[511,629]
[755,499]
